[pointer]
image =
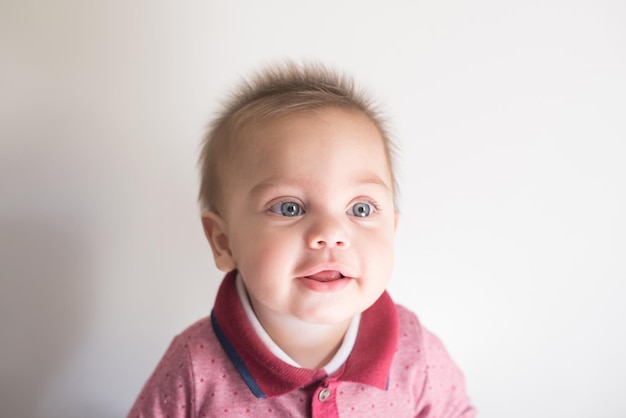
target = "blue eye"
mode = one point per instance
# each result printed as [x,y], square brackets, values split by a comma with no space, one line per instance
[289,209]
[361,210]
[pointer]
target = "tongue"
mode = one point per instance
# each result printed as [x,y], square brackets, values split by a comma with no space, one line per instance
[325,276]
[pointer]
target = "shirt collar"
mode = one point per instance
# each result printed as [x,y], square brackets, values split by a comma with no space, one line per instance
[331,367]
[267,376]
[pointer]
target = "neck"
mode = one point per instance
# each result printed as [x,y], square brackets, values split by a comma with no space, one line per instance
[310,345]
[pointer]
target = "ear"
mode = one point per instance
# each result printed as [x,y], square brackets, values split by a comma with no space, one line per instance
[215,232]
[396,216]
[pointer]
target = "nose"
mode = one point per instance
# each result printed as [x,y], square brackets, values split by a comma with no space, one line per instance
[327,232]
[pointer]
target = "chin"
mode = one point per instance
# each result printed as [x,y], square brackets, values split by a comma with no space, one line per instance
[326,317]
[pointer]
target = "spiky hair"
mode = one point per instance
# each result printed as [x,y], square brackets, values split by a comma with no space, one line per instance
[277,90]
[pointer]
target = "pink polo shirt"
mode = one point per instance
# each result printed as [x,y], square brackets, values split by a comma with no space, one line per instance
[219,367]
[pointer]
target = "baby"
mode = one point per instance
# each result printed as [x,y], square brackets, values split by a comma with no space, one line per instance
[298,197]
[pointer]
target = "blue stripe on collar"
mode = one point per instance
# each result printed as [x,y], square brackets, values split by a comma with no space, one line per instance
[236,360]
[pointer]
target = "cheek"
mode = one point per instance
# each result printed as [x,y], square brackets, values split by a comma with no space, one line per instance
[377,249]
[262,251]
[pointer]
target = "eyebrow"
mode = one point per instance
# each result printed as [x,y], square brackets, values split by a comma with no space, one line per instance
[277,182]
[368,178]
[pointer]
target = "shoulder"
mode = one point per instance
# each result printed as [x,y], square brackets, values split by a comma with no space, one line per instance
[416,337]
[195,336]
[407,317]
[196,347]
[440,381]
[190,339]
[411,332]
[193,368]
[414,332]
[190,355]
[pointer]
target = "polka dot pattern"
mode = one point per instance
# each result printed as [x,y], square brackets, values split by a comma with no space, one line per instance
[195,378]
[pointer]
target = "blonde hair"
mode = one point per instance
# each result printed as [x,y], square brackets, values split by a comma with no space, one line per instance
[276,91]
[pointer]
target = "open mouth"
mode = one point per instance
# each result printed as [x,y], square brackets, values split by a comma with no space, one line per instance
[326,276]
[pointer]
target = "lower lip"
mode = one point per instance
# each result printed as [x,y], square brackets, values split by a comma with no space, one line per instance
[330,286]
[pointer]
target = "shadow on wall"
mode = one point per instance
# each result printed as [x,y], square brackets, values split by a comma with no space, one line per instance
[43,308]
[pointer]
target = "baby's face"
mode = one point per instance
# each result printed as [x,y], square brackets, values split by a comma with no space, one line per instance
[310,219]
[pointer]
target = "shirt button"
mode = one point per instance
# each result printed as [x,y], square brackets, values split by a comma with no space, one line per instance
[324,395]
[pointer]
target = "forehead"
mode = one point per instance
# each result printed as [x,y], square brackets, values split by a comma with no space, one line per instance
[324,142]
[329,125]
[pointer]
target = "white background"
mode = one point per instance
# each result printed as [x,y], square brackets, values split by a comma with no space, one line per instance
[511,120]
